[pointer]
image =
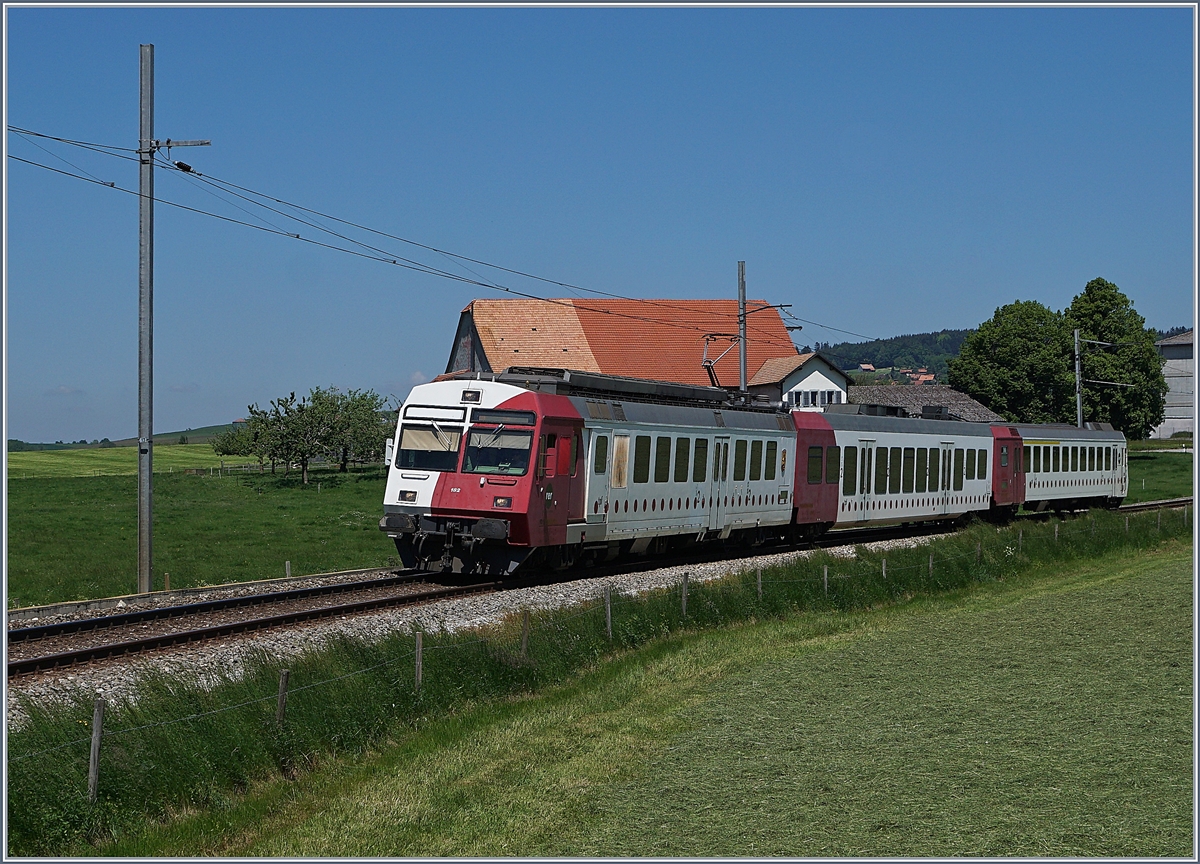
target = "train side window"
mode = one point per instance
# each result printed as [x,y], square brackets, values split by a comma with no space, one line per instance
[970,465]
[641,459]
[1004,456]
[700,461]
[575,441]
[547,454]
[815,466]
[1045,459]
[935,456]
[739,461]
[910,456]
[958,468]
[600,455]
[850,471]
[620,468]
[1107,458]
[772,453]
[981,471]
[922,469]
[894,470]
[864,483]
[756,460]
[881,470]
[662,459]
[1074,458]
[1091,458]
[683,448]
[833,461]
[724,448]
[1018,465]
[1054,455]
[1036,453]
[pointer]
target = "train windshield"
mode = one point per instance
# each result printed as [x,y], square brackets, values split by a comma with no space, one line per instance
[429,448]
[497,451]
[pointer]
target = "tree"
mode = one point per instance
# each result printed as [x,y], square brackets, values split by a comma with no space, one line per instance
[1018,364]
[1104,314]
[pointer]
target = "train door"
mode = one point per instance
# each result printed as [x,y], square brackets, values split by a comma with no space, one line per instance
[558,477]
[866,451]
[597,464]
[720,483]
[945,480]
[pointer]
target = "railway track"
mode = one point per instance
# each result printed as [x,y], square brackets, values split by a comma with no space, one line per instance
[30,644]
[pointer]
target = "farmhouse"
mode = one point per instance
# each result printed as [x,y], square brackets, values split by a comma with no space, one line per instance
[1180,371]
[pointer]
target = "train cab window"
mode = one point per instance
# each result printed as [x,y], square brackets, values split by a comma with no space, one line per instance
[772,456]
[641,459]
[894,470]
[600,455]
[910,461]
[981,470]
[922,469]
[739,461]
[935,459]
[1074,458]
[662,460]
[970,465]
[756,460]
[498,451]
[958,468]
[850,471]
[429,448]
[620,466]
[1054,457]
[683,451]
[1107,458]
[833,459]
[700,460]
[881,470]
[815,466]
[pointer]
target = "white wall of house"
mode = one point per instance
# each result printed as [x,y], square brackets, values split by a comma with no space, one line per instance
[1180,372]
[813,386]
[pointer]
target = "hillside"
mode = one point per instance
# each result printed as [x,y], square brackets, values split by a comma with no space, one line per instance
[911,351]
[201,435]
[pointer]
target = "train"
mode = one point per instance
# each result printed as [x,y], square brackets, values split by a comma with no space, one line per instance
[552,468]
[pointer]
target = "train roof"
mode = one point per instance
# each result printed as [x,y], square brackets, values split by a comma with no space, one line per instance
[1064,431]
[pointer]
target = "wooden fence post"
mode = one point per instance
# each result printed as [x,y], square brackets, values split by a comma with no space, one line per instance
[1020,539]
[287,569]
[1126,524]
[884,568]
[1092,519]
[1055,532]
[1159,518]
[281,702]
[759,580]
[417,669]
[525,633]
[166,581]
[94,761]
[608,611]
[684,595]
[930,565]
[978,551]
[825,577]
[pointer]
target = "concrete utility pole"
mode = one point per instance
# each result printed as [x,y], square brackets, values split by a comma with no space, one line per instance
[742,328]
[147,147]
[1078,386]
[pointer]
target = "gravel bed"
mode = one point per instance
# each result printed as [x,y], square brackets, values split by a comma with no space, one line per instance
[209,663]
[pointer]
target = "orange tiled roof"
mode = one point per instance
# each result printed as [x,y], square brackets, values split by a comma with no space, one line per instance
[778,368]
[658,339]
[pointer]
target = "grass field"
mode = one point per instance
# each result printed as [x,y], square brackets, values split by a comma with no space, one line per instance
[1049,714]
[76,538]
[107,461]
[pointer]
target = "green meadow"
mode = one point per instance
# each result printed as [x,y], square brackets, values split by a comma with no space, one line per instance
[1045,714]
[107,461]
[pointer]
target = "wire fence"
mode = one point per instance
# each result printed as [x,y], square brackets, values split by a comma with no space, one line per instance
[357,691]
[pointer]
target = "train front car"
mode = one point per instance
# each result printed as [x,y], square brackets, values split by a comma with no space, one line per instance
[1068,468]
[482,474]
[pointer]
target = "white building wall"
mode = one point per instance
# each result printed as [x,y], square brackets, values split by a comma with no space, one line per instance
[1181,398]
[813,390]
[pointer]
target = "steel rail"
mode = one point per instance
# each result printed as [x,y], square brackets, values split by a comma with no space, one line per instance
[63,628]
[167,640]
[1154,505]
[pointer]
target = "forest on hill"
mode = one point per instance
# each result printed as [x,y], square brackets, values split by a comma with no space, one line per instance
[931,351]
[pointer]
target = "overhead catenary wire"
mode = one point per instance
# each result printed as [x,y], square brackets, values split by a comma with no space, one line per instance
[764,335]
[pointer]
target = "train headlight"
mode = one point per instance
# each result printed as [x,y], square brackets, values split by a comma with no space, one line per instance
[408,496]
[503,503]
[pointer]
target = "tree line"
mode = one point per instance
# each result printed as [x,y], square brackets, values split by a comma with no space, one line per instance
[1021,363]
[326,424]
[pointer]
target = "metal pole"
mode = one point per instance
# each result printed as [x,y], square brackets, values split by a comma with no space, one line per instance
[1078,386]
[742,327]
[146,150]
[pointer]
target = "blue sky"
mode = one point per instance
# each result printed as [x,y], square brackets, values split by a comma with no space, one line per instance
[883,170]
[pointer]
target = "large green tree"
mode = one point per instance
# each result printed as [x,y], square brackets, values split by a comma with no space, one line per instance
[1103,314]
[1018,364]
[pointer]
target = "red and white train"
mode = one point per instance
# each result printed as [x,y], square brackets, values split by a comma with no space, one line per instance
[549,467]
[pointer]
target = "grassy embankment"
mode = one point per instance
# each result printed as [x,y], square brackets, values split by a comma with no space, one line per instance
[1035,701]
[75,537]
[103,461]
